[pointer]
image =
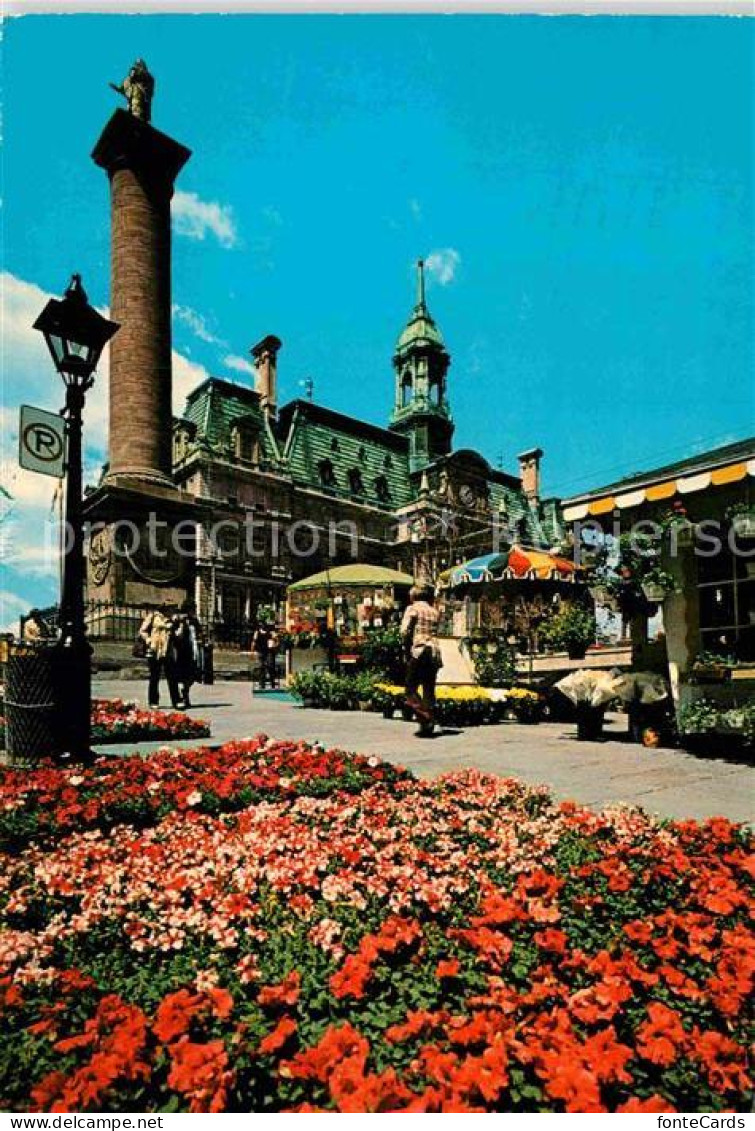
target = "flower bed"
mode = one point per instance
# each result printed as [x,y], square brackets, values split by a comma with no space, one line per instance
[470,706]
[271,927]
[465,706]
[116,720]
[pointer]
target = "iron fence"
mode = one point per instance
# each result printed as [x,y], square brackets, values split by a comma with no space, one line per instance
[120,622]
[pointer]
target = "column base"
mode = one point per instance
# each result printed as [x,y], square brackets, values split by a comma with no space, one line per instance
[125,475]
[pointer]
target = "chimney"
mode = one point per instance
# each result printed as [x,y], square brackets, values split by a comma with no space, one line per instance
[529,473]
[265,355]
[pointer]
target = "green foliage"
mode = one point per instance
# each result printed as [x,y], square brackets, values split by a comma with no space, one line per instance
[382,650]
[494,660]
[571,628]
[335,692]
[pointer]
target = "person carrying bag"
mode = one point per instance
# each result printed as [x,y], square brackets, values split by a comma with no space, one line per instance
[157,632]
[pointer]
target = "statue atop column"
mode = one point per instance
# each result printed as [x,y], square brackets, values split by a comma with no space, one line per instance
[138,89]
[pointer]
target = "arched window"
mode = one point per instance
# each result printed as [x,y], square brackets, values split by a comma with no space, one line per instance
[406,387]
[382,490]
[334,445]
[327,474]
[356,483]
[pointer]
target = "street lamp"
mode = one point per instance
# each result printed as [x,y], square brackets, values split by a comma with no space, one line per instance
[76,336]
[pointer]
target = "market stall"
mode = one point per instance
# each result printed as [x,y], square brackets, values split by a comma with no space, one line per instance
[330,612]
[514,592]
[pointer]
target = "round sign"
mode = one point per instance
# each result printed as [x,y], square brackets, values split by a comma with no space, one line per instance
[42,441]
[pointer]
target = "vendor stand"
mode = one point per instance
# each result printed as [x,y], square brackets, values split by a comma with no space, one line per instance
[509,594]
[330,612]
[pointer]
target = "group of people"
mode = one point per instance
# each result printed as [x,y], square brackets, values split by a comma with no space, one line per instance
[173,643]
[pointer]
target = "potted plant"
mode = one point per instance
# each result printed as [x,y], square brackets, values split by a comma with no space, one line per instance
[710,667]
[742,519]
[571,629]
[304,686]
[700,717]
[657,584]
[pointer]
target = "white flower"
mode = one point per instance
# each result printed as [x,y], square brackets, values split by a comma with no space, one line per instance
[194,798]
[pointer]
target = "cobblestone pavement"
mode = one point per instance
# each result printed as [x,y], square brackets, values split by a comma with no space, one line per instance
[671,783]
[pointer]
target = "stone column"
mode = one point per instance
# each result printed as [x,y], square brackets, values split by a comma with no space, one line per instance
[142,165]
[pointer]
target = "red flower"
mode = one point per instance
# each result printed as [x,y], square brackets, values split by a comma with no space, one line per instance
[447,968]
[283,993]
[277,1038]
[653,1105]
[200,1072]
[662,1036]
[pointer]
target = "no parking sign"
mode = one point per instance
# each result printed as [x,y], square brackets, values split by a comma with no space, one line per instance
[42,441]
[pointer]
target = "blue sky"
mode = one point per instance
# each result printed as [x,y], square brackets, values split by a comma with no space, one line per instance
[583,185]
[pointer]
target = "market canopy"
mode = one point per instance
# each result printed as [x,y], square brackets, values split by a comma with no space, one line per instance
[514,564]
[355,575]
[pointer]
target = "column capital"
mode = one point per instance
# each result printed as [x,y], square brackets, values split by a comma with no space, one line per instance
[127,142]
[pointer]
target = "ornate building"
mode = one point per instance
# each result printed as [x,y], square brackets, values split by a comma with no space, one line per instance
[251,496]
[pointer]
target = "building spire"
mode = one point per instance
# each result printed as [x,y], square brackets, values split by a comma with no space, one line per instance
[420,284]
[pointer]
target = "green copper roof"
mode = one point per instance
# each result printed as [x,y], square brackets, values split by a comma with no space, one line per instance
[421,328]
[215,405]
[317,435]
[538,527]
[357,575]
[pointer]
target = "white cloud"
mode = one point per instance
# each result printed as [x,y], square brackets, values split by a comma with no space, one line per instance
[416,209]
[196,218]
[12,606]
[442,264]
[186,376]
[240,364]
[197,323]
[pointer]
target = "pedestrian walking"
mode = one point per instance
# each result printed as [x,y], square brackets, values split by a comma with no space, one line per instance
[419,628]
[188,643]
[157,633]
[266,643]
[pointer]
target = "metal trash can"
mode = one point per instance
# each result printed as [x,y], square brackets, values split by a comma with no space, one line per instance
[30,716]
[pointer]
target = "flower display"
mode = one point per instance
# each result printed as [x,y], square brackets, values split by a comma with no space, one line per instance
[116,720]
[470,705]
[276,927]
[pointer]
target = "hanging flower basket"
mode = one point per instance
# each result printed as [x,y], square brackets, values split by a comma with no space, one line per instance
[654,592]
[743,525]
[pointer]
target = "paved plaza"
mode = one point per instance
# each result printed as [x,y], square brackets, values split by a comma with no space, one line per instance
[671,783]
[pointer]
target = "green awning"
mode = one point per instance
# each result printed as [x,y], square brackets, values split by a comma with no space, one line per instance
[356,575]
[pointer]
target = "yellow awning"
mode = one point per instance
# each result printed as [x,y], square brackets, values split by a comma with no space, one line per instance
[666,489]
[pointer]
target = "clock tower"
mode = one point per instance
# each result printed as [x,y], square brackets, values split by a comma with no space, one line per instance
[421,411]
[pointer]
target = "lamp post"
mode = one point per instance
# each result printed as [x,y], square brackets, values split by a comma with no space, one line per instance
[76,335]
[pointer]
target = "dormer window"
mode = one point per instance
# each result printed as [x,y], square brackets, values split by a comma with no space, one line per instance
[327,474]
[245,443]
[356,483]
[382,490]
